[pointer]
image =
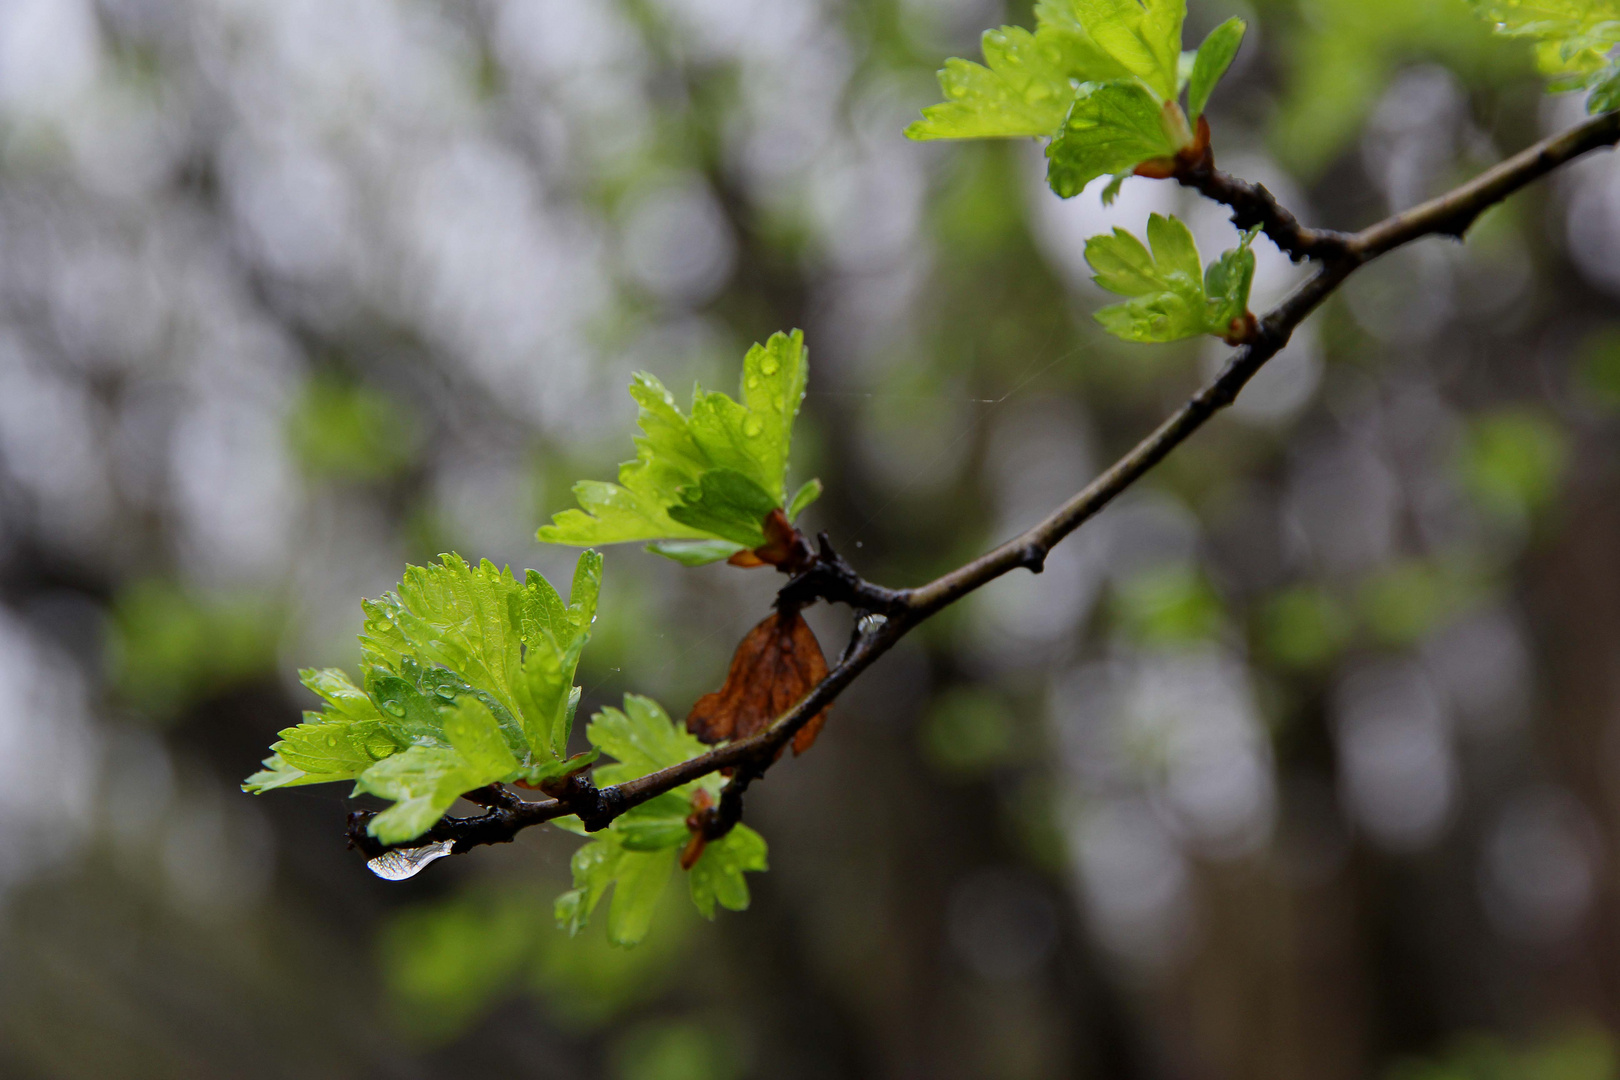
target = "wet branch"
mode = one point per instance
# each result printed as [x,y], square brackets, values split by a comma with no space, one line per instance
[885,615]
[1253,206]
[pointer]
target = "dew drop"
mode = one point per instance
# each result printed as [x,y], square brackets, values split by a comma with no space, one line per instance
[753,381]
[871,624]
[444,693]
[394,708]
[402,863]
[752,427]
[769,365]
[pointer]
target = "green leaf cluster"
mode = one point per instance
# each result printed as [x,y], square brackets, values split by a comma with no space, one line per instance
[1172,295]
[468,681]
[702,483]
[1100,78]
[1574,40]
[635,856]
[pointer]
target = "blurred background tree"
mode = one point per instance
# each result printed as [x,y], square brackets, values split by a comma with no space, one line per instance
[1298,762]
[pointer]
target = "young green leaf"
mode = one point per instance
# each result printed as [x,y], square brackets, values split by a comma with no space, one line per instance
[700,485]
[636,854]
[1213,58]
[1575,41]
[1227,283]
[1172,297]
[469,681]
[1100,77]
[1025,87]
[1112,128]
[423,782]
[808,493]
[1143,36]
[726,504]
[641,739]
[637,879]
[717,877]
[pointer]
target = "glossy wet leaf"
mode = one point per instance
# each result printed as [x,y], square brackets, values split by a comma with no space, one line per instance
[1142,36]
[702,481]
[1024,88]
[469,681]
[1112,128]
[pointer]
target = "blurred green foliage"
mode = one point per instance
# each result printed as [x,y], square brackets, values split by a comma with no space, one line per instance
[344,430]
[1574,42]
[172,645]
[446,963]
[1586,1054]
[1512,461]
[1598,368]
[1168,606]
[677,1050]
[1404,601]
[1341,56]
[1303,628]
[968,732]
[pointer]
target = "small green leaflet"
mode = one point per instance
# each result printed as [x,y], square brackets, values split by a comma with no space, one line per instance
[1112,128]
[1100,78]
[469,681]
[1173,297]
[1214,56]
[1574,39]
[701,484]
[718,876]
[636,855]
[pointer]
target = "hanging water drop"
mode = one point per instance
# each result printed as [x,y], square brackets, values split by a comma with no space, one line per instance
[402,863]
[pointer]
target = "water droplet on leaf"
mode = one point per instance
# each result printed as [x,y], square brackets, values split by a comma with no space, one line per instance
[394,708]
[752,427]
[769,365]
[402,863]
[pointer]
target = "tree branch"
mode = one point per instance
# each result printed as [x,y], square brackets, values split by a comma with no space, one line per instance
[1252,205]
[889,614]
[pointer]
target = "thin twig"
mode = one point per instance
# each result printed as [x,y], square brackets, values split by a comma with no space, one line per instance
[1252,205]
[896,612]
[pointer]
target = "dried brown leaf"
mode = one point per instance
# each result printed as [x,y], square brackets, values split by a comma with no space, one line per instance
[773,668]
